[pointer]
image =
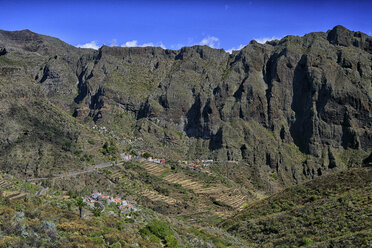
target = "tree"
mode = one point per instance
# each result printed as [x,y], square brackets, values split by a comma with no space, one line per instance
[80,204]
[147,155]
[119,212]
[133,153]
[68,204]
[109,148]
[97,209]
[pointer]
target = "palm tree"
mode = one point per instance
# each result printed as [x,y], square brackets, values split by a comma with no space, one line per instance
[119,212]
[80,204]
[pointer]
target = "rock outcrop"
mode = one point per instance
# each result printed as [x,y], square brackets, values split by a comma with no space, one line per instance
[299,106]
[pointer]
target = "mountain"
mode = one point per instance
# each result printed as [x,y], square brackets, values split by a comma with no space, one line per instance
[294,108]
[287,123]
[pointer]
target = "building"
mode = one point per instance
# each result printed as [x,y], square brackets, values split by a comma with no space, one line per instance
[156,160]
[126,156]
[194,166]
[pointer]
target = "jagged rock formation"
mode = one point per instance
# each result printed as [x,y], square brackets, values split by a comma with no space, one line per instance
[299,106]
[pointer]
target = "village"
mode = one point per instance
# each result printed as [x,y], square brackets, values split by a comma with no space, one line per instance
[125,206]
[132,156]
[100,200]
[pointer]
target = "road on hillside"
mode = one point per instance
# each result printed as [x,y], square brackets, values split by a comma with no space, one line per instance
[75,173]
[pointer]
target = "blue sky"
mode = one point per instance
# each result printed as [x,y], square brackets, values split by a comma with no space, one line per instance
[173,24]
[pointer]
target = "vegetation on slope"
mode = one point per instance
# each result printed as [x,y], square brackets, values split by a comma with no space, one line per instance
[52,221]
[332,210]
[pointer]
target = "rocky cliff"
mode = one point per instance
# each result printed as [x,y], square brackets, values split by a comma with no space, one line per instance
[296,107]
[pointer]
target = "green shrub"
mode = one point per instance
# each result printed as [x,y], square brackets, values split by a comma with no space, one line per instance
[108,149]
[159,228]
[133,153]
[154,239]
[78,152]
[313,198]
[115,245]
[129,220]
[286,206]
[274,176]
[98,240]
[97,209]
[146,155]
[307,241]
[171,241]
[144,232]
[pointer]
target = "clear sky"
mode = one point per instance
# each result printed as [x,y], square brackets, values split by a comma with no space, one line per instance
[173,24]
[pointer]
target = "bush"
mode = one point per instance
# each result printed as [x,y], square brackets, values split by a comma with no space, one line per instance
[154,239]
[146,155]
[133,153]
[116,245]
[171,241]
[108,149]
[307,241]
[129,220]
[157,229]
[78,152]
[313,198]
[144,232]
[97,209]
[98,240]
[274,176]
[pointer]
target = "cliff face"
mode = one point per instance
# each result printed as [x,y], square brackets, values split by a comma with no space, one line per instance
[299,106]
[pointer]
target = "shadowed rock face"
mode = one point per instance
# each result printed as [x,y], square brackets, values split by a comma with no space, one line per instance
[260,104]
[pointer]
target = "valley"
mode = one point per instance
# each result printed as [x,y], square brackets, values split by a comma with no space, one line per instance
[266,146]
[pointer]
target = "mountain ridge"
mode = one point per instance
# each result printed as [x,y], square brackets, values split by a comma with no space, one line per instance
[298,107]
[332,36]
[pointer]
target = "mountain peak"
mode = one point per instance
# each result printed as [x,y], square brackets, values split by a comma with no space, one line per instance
[342,36]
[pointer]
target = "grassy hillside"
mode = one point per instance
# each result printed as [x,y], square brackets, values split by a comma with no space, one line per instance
[332,211]
[51,220]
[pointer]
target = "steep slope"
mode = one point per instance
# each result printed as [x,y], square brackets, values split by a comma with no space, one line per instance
[330,211]
[258,105]
[38,135]
[294,109]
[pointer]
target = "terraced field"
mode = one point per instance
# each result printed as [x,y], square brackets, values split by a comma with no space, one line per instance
[117,175]
[184,181]
[234,201]
[13,195]
[154,169]
[155,196]
[219,192]
[226,201]
[5,184]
